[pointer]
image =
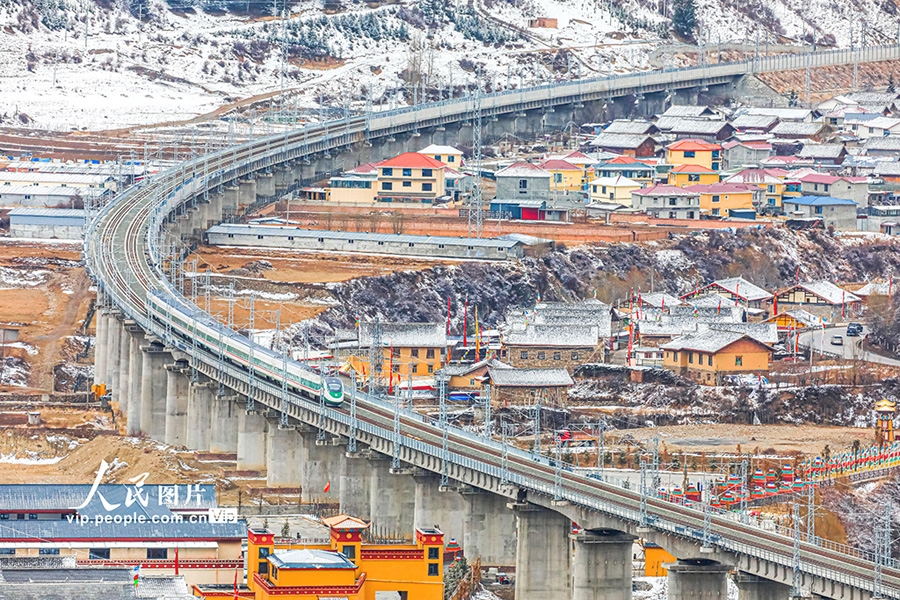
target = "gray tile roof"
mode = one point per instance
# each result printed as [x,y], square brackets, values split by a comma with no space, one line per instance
[567,335]
[754,121]
[797,128]
[530,377]
[821,151]
[742,288]
[686,125]
[406,335]
[629,127]
[885,143]
[708,341]
[687,110]
[619,140]
[113,574]
[167,587]
[887,168]
[767,333]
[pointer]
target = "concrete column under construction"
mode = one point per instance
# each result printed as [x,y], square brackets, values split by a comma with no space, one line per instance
[697,579]
[153,390]
[224,421]
[320,467]
[251,446]
[176,404]
[602,565]
[283,456]
[114,337]
[444,509]
[542,554]
[392,499]
[751,587]
[490,529]
[101,348]
[135,380]
[201,395]
[124,393]
[247,194]
[355,488]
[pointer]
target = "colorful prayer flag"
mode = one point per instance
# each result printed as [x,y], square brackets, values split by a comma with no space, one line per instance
[327,487]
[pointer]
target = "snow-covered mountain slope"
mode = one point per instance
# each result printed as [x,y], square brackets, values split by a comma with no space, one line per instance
[93,64]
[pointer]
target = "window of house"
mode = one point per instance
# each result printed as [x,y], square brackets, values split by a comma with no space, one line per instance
[451,158]
[691,357]
[349,241]
[426,187]
[715,211]
[523,354]
[157,553]
[98,554]
[430,369]
[440,245]
[407,184]
[689,154]
[770,188]
[693,177]
[432,569]
[557,178]
[387,185]
[32,516]
[738,361]
[523,184]
[321,239]
[674,356]
[8,551]
[715,198]
[429,353]
[407,172]
[411,244]
[414,352]
[434,553]
[387,172]
[602,191]
[715,166]
[381,243]
[426,172]
[437,157]
[540,356]
[349,551]
[290,238]
[48,551]
[818,210]
[557,355]
[710,360]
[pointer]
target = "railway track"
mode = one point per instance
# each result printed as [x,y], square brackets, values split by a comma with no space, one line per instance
[123,254]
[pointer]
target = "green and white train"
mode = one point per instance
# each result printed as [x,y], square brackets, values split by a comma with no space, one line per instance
[218,340]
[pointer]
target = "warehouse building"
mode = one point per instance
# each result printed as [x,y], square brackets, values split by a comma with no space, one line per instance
[48,196]
[46,223]
[371,243]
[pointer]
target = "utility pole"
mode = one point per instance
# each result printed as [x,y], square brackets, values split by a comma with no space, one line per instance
[537,429]
[476,215]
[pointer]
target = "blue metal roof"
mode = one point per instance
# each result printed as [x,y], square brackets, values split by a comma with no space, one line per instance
[818,201]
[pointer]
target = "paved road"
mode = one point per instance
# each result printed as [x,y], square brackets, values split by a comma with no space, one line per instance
[851,349]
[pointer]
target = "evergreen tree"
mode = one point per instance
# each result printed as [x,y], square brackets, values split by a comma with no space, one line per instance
[684,18]
[793,100]
[891,88]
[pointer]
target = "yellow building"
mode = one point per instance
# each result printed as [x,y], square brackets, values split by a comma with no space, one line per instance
[613,189]
[767,180]
[448,155]
[356,186]
[694,152]
[709,357]
[719,199]
[410,177]
[685,175]
[345,568]
[566,176]
[414,350]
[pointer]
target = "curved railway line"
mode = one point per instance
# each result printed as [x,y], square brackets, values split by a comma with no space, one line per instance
[123,253]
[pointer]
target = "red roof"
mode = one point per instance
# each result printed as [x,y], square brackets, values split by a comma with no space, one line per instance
[664,190]
[820,178]
[559,165]
[622,160]
[720,188]
[692,144]
[691,169]
[413,160]
[756,145]
[365,168]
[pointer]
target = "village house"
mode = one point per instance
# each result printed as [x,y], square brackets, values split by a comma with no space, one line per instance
[685,175]
[770,185]
[629,144]
[799,115]
[357,185]
[744,154]
[694,152]
[709,130]
[882,146]
[448,155]
[690,110]
[846,188]
[755,123]
[667,202]
[710,356]
[527,387]
[823,154]
[627,166]
[523,181]
[410,177]
[565,345]
[834,212]
[566,177]
[821,298]
[802,130]
[612,189]
[719,199]
[794,319]
[626,127]
[737,290]
[408,349]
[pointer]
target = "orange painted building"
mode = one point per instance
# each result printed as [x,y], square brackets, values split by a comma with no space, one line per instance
[346,568]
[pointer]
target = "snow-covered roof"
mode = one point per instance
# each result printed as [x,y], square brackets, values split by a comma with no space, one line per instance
[309,558]
[691,126]
[687,110]
[617,181]
[873,97]
[881,168]
[438,149]
[620,140]
[741,288]
[567,335]
[767,333]
[887,142]
[797,128]
[708,341]
[407,335]
[876,288]
[805,317]
[754,122]
[828,292]
[523,169]
[630,127]
[664,190]
[659,299]
[459,370]
[884,123]
[785,114]
[529,377]
[821,151]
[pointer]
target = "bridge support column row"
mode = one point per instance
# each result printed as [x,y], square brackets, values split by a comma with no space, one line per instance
[490,528]
[284,456]
[153,390]
[751,587]
[123,395]
[392,499]
[543,554]
[251,442]
[247,194]
[225,422]
[602,565]
[265,185]
[230,199]
[437,507]
[100,345]
[355,489]
[697,580]
[200,398]
[113,338]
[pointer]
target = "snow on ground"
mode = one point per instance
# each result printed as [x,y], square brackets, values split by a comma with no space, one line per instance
[30,459]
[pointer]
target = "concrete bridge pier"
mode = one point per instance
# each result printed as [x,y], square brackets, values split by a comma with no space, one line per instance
[751,587]
[176,404]
[697,579]
[198,430]
[437,507]
[464,134]
[224,422]
[231,199]
[321,465]
[490,528]
[297,171]
[124,394]
[101,347]
[265,185]
[284,178]
[543,553]
[215,210]
[283,456]
[602,565]
[135,380]
[113,339]
[153,390]
[308,170]
[251,443]
[247,194]
[392,498]
[355,487]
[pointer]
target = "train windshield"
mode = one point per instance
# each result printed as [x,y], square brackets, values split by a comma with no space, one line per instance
[334,385]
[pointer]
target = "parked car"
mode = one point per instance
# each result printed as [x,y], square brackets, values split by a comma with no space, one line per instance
[837,340]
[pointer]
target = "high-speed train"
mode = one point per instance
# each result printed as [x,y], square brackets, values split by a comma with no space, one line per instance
[267,364]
